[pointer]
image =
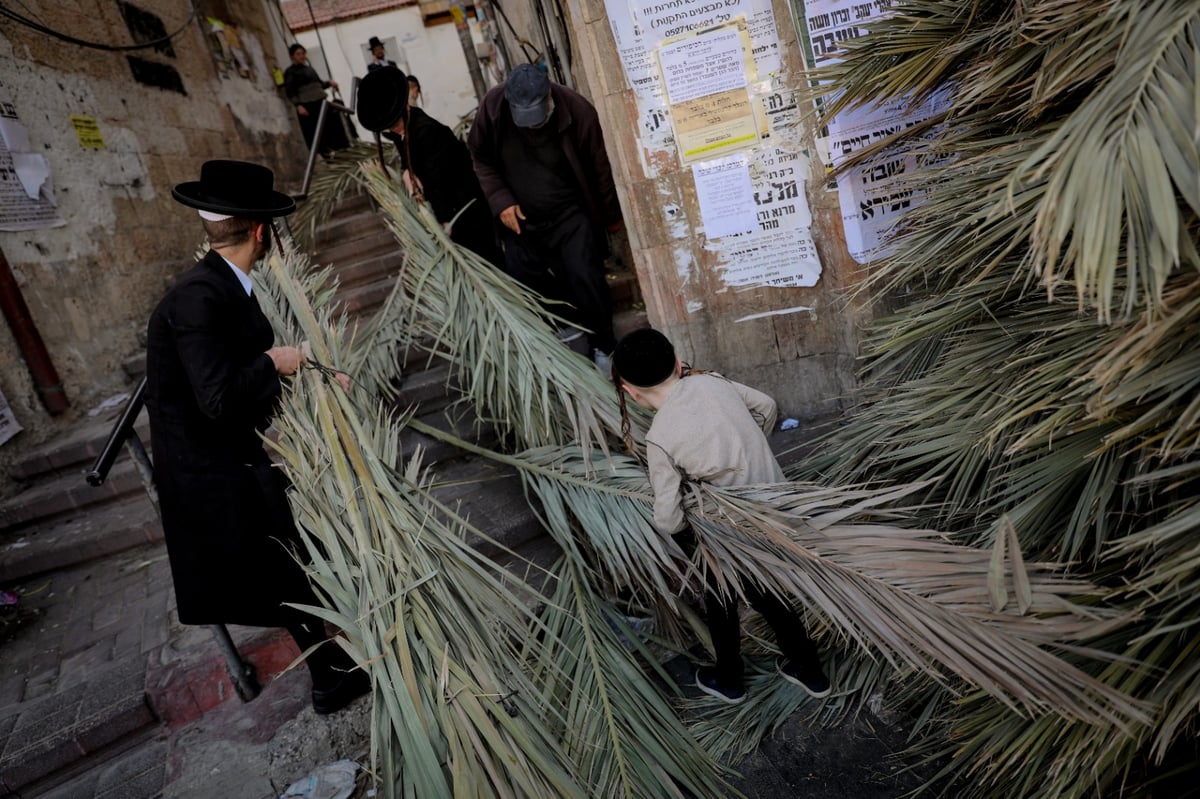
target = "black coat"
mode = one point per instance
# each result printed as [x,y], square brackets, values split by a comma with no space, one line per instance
[443,165]
[210,389]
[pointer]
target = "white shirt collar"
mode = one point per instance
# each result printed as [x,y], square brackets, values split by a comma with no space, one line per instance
[242,277]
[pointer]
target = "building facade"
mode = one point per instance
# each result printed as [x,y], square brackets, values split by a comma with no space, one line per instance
[94,139]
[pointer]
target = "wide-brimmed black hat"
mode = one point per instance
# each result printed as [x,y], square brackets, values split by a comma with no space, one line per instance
[235,188]
[644,358]
[374,42]
[382,98]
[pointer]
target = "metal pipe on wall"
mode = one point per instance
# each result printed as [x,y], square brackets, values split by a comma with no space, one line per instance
[29,342]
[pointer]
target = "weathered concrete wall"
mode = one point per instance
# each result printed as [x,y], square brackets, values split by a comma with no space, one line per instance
[92,283]
[805,359]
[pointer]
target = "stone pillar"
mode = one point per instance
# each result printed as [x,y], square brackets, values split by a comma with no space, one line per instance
[804,358]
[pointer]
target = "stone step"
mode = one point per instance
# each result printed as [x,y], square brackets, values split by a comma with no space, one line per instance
[629,320]
[134,768]
[134,366]
[624,289]
[368,270]
[353,203]
[343,252]
[366,297]
[351,226]
[68,493]
[434,450]
[78,538]
[51,735]
[491,498]
[427,389]
[80,446]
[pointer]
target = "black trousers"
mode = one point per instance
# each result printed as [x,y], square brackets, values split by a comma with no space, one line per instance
[724,625]
[725,628]
[565,262]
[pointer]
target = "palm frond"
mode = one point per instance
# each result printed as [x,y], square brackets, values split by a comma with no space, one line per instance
[495,332]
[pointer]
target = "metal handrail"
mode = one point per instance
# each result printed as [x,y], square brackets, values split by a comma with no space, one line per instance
[326,104]
[241,672]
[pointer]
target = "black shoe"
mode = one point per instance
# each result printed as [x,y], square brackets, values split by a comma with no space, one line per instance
[706,681]
[346,689]
[812,680]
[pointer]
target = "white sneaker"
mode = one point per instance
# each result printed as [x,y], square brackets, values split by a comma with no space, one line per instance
[603,363]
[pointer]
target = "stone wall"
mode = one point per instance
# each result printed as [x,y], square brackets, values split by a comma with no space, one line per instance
[91,283]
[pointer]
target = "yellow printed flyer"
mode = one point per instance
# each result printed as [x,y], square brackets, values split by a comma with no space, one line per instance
[707,74]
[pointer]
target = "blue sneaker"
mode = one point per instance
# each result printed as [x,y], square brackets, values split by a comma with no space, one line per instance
[706,681]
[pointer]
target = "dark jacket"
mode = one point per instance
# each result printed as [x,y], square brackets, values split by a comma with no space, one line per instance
[582,140]
[442,163]
[210,389]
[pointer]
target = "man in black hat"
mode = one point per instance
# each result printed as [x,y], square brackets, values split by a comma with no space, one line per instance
[212,383]
[539,154]
[438,164]
[377,54]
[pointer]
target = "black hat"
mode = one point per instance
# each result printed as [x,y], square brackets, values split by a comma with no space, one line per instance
[382,98]
[374,42]
[527,91]
[644,358]
[235,188]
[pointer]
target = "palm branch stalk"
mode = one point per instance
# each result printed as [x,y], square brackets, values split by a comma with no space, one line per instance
[903,594]
[495,333]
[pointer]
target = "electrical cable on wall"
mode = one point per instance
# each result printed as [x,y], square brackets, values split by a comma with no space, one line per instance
[112,48]
[523,42]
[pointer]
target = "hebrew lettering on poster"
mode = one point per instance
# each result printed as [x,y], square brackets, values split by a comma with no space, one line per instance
[874,196]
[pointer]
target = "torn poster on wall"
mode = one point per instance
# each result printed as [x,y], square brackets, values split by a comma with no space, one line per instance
[779,251]
[9,426]
[706,75]
[640,27]
[873,196]
[760,234]
[26,192]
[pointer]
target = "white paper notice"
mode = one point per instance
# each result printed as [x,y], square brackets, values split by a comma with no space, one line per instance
[873,197]
[707,64]
[26,191]
[726,196]
[8,422]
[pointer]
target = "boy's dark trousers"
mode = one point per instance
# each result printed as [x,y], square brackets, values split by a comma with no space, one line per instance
[725,628]
[724,625]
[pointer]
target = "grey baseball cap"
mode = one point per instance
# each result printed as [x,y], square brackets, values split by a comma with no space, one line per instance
[528,93]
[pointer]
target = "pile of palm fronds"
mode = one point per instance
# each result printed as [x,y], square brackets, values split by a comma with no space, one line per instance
[1043,373]
[481,686]
[419,607]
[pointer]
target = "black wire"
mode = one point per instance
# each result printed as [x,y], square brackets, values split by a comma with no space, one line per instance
[112,48]
[524,44]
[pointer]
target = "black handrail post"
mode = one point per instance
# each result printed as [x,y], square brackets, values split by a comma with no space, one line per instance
[241,672]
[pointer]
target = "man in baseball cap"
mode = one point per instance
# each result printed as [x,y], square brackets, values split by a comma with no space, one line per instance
[539,154]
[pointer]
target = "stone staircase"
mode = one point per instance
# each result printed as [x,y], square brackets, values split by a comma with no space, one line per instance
[94,667]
